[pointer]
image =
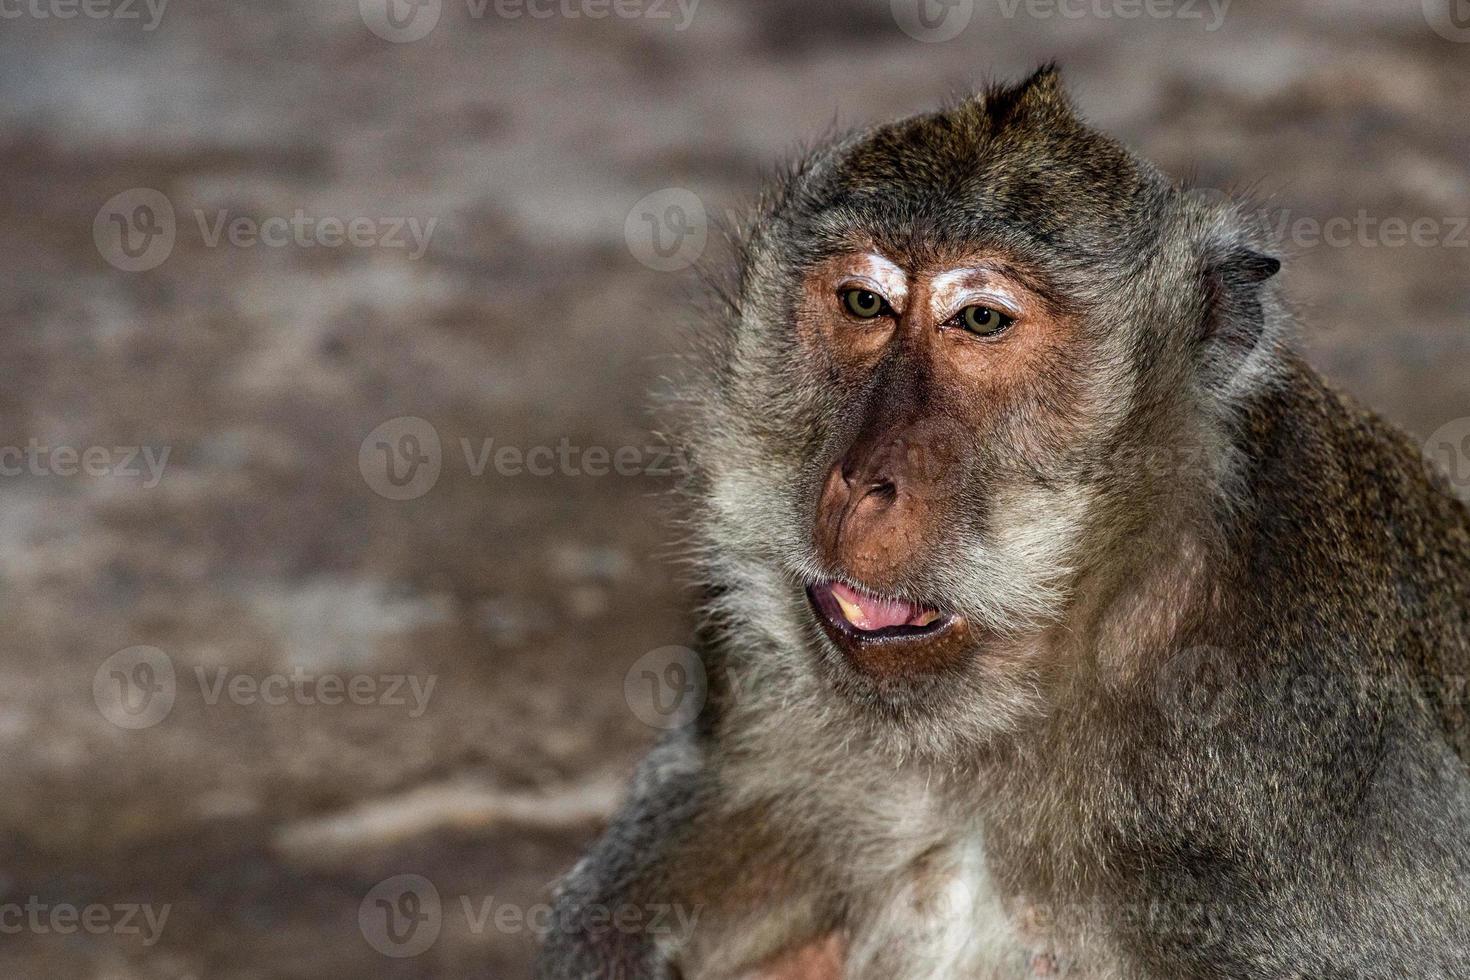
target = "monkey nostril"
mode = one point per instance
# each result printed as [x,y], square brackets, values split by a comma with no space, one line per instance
[883,489]
[858,483]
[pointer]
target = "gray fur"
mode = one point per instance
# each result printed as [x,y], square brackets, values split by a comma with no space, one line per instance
[1071,802]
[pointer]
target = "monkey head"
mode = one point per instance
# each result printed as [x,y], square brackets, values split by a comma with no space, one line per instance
[971,356]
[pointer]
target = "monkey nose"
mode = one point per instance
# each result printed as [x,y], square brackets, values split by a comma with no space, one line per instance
[852,506]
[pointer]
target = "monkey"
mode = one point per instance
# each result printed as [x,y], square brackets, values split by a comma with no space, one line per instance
[1059,619]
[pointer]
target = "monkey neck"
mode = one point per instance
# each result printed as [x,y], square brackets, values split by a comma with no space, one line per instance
[1149,603]
[1142,601]
[1143,594]
[1189,576]
[1049,810]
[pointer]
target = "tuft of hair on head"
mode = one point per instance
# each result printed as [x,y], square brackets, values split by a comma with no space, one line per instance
[1041,95]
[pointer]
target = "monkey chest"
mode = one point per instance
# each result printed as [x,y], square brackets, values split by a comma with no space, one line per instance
[943,916]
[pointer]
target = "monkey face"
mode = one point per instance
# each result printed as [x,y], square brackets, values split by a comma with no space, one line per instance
[955,346]
[893,456]
[935,355]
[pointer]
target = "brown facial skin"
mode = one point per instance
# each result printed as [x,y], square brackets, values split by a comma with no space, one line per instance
[936,391]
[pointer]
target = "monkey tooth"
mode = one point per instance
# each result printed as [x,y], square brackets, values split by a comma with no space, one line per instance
[851,610]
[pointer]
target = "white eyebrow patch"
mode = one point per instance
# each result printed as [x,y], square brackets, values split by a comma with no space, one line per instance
[955,289]
[882,276]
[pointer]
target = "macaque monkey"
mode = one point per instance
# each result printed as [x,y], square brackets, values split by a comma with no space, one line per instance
[1061,621]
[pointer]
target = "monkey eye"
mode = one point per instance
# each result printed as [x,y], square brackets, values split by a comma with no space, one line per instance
[983,320]
[864,303]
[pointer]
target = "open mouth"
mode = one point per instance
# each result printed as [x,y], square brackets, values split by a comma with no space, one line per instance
[864,617]
[890,639]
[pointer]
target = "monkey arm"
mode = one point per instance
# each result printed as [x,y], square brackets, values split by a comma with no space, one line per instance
[680,887]
[625,873]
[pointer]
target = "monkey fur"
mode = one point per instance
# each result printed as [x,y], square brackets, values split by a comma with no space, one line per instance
[1206,717]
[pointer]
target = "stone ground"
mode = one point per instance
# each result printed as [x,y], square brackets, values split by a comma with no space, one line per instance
[266,560]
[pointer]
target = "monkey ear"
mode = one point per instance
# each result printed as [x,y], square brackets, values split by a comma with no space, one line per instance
[1234,318]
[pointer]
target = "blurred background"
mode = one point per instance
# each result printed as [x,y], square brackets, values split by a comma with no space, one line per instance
[334,564]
